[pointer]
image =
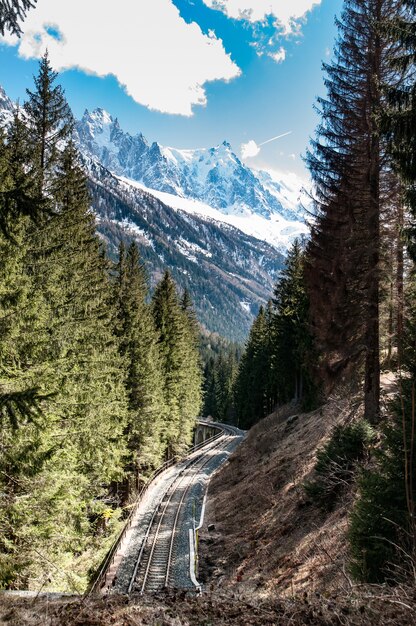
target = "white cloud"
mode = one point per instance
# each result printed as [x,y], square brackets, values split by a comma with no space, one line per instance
[278,56]
[160,60]
[287,12]
[250,149]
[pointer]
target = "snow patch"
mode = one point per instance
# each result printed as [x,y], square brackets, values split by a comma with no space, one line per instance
[274,229]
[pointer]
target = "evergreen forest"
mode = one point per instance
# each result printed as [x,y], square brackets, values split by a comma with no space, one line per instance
[102,380]
[99,382]
[343,311]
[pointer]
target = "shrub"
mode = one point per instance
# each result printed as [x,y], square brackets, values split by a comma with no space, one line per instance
[336,462]
[382,526]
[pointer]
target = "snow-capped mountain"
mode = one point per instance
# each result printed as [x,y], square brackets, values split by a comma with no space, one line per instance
[6,107]
[214,176]
[189,211]
[228,273]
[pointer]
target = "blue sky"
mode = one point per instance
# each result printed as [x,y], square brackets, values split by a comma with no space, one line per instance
[192,75]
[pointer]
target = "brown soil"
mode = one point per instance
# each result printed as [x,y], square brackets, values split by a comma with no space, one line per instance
[179,609]
[268,538]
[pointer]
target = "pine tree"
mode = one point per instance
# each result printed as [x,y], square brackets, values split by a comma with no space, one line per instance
[50,122]
[348,163]
[291,353]
[180,365]
[191,396]
[12,12]
[18,195]
[25,389]
[383,521]
[72,272]
[400,114]
[251,385]
[138,346]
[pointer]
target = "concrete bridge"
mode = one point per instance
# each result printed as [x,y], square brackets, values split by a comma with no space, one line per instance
[204,430]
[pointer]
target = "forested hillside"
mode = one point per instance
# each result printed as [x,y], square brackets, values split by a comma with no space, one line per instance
[104,369]
[344,309]
[98,385]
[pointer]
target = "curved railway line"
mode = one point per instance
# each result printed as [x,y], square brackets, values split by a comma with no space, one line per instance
[163,558]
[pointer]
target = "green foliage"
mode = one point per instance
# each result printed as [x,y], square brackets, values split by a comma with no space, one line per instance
[336,462]
[49,121]
[276,366]
[94,390]
[182,372]
[292,343]
[61,380]
[382,526]
[252,401]
[138,346]
[220,359]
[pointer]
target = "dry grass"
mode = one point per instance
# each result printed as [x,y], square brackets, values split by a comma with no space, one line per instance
[268,539]
[179,609]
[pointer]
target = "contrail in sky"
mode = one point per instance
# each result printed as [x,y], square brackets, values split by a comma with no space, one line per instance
[252,149]
[274,138]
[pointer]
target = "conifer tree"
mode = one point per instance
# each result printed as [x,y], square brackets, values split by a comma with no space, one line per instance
[180,365]
[191,396]
[12,12]
[292,347]
[138,346]
[24,374]
[348,164]
[383,521]
[73,274]
[50,121]
[62,458]
[400,113]
[251,399]
[17,196]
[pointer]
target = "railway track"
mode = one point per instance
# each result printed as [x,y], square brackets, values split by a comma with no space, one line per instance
[155,549]
[156,558]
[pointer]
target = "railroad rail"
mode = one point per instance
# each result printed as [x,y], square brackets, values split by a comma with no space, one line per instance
[154,561]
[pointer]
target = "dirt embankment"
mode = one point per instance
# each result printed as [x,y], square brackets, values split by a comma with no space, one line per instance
[180,609]
[268,538]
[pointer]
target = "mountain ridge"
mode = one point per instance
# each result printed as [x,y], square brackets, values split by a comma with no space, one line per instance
[229,270]
[214,176]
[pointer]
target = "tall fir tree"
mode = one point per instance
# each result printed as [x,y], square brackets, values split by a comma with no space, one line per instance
[50,122]
[138,346]
[383,521]
[60,461]
[191,396]
[349,167]
[250,388]
[291,352]
[179,365]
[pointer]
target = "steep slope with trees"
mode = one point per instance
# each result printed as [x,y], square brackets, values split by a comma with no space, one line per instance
[82,412]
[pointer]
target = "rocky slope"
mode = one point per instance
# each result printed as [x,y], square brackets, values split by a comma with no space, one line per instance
[229,274]
[268,537]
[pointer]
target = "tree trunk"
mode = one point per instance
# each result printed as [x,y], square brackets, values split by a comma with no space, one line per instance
[372,331]
[400,283]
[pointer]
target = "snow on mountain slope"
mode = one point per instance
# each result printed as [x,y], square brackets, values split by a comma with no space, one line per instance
[275,229]
[6,108]
[255,201]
